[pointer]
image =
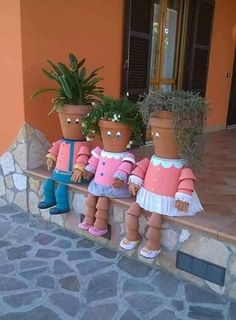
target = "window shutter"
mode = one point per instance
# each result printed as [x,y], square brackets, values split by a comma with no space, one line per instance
[199,29]
[136,64]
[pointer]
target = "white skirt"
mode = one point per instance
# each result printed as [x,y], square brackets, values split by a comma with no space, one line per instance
[156,203]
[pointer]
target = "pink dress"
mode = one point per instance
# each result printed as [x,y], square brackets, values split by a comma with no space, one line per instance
[106,166]
[162,182]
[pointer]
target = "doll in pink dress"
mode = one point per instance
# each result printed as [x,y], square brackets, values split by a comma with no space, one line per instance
[111,167]
[163,186]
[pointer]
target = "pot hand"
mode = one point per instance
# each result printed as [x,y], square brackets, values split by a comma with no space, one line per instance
[117,183]
[77,175]
[87,175]
[133,188]
[50,163]
[181,205]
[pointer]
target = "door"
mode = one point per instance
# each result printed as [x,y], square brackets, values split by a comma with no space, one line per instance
[137,46]
[231,118]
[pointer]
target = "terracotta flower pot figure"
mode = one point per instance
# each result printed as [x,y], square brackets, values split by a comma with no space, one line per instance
[111,165]
[75,92]
[69,156]
[163,185]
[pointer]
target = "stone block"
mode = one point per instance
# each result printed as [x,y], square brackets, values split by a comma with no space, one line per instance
[19,155]
[19,181]
[58,219]
[8,181]
[9,195]
[34,185]
[78,203]
[118,214]
[21,200]
[184,235]
[7,163]
[33,203]
[169,238]
[207,249]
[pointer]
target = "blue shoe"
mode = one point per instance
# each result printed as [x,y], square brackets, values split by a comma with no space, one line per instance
[45,205]
[58,211]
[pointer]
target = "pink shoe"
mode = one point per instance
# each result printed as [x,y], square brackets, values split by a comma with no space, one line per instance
[84,226]
[97,232]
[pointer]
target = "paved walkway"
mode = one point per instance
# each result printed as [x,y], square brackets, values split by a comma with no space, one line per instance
[47,273]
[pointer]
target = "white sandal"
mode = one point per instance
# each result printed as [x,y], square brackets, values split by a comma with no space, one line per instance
[128,245]
[150,254]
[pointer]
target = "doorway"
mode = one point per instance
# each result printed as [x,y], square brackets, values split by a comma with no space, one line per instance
[231,118]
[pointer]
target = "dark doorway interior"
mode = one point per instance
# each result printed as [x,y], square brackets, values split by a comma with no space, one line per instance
[231,118]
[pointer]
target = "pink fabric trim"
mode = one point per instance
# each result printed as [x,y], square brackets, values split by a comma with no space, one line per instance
[141,168]
[187,185]
[129,157]
[125,167]
[84,150]
[187,173]
[96,152]
[55,148]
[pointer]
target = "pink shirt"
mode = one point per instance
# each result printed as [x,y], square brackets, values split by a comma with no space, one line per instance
[68,153]
[165,177]
[107,165]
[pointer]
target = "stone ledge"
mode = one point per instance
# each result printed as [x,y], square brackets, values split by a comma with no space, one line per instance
[208,223]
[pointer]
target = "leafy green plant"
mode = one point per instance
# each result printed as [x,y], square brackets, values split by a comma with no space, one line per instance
[75,86]
[189,117]
[117,110]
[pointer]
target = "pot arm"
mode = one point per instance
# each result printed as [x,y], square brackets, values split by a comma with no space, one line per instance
[83,157]
[125,168]
[53,151]
[138,174]
[93,161]
[186,185]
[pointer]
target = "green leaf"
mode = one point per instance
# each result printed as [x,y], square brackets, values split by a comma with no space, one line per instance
[73,60]
[36,93]
[55,67]
[50,75]
[66,87]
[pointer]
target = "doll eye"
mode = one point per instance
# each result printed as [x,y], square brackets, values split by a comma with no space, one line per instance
[76,121]
[118,135]
[68,120]
[157,135]
[109,133]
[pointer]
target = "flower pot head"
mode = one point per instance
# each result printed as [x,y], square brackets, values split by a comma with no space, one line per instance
[115,135]
[163,134]
[71,117]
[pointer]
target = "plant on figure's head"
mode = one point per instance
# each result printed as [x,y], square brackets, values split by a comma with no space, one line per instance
[75,86]
[189,117]
[117,110]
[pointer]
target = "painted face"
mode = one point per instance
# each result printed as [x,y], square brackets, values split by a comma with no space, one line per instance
[115,139]
[73,125]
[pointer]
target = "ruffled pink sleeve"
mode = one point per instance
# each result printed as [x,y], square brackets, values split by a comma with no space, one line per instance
[125,168]
[53,151]
[186,185]
[83,156]
[138,174]
[93,161]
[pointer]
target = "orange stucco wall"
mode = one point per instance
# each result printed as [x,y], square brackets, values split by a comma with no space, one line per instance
[221,61]
[53,28]
[12,110]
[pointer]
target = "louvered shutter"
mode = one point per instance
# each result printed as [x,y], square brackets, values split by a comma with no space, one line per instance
[136,64]
[198,45]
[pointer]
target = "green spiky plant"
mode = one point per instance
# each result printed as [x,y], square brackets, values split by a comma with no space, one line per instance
[74,85]
[189,117]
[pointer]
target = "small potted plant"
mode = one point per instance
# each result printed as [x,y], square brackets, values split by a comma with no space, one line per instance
[185,113]
[76,90]
[164,184]
[69,155]
[117,120]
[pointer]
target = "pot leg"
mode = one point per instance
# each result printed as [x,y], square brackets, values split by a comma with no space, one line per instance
[90,203]
[154,232]
[132,225]
[62,200]
[132,237]
[102,213]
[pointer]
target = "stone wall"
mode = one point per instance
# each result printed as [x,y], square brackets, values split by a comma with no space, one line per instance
[27,152]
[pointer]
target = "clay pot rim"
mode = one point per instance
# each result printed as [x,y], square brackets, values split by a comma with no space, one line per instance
[76,109]
[162,114]
[105,123]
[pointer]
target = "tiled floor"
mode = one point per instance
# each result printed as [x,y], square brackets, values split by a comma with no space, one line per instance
[216,187]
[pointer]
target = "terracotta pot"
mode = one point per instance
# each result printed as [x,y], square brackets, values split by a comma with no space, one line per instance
[115,135]
[163,135]
[70,117]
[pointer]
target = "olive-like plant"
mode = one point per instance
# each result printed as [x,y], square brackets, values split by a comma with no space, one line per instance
[189,117]
[75,86]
